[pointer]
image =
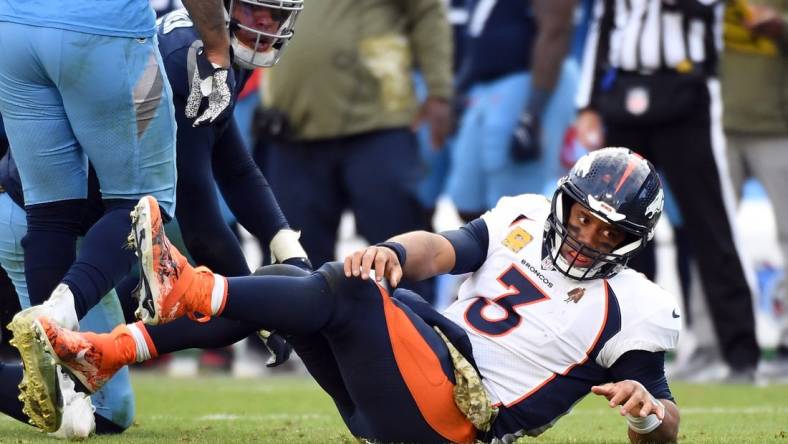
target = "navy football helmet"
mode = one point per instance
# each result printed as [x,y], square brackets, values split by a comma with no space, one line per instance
[620,188]
[260,29]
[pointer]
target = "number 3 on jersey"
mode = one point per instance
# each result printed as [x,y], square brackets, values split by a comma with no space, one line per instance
[521,291]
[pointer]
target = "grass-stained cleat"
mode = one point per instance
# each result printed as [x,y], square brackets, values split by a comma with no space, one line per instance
[39,390]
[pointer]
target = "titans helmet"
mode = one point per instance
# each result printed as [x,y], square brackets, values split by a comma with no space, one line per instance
[260,29]
[618,187]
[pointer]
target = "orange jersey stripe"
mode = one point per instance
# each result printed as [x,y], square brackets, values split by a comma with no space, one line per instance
[421,370]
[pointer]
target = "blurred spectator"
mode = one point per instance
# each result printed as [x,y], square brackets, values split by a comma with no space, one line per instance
[341,107]
[650,75]
[436,159]
[754,73]
[513,58]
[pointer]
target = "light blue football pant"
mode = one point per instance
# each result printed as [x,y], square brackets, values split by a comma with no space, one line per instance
[482,170]
[67,97]
[115,401]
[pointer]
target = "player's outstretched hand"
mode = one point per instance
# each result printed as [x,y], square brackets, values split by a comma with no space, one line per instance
[210,91]
[381,259]
[632,396]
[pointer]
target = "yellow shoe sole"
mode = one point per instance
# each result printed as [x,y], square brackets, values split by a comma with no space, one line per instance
[39,390]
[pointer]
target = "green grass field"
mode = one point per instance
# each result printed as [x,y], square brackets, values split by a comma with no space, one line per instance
[289,409]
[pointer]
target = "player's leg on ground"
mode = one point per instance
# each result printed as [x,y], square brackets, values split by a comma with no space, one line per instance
[328,303]
[374,340]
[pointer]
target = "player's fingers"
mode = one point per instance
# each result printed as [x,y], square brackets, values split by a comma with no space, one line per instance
[602,390]
[367,262]
[651,406]
[394,273]
[355,266]
[620,395]
[380,266]
[648,408]
[632,406]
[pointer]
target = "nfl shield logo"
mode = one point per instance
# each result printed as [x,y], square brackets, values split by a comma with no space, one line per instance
[637,101]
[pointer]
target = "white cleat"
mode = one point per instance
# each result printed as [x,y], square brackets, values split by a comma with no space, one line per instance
[78,420]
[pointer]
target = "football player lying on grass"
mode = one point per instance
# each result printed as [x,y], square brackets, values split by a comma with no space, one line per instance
[550,314]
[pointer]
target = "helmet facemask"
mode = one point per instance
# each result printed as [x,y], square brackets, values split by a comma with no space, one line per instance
[260,29]
[603,265]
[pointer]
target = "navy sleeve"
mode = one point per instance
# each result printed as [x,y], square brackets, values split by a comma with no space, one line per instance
[177,72]
[244,187]
[647,368]
[470,246]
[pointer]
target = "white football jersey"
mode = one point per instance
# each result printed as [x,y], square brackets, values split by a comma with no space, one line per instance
[536,331]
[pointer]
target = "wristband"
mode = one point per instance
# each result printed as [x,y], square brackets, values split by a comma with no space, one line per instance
[285,246]
[645,424]
[397,248]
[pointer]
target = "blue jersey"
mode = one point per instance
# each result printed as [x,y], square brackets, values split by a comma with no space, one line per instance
[118,18]
[499,37]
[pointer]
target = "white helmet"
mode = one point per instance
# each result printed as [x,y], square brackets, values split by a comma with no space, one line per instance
[260,29]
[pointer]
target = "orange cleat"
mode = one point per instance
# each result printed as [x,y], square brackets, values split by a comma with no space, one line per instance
[169,286]
[91,358]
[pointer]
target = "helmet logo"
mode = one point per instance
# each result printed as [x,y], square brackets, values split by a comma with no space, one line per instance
[655,206]
[605,209]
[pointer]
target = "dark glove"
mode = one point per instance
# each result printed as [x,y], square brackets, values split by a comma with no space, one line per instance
[211,82]
[526,144]
[279,348]
[272,125]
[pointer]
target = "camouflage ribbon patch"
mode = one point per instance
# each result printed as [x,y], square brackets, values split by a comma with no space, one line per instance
[469,394]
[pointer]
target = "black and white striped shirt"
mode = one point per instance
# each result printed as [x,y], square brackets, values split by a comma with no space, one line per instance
[647,36]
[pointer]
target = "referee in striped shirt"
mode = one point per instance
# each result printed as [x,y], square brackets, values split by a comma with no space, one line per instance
[649,83]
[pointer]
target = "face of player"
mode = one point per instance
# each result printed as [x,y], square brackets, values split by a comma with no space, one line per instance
[260,18]
[592,233]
